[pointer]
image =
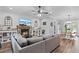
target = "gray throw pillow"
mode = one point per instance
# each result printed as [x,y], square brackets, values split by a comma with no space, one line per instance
[34,40]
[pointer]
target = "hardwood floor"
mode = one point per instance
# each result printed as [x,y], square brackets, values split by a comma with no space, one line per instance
[6,48]
[68,46]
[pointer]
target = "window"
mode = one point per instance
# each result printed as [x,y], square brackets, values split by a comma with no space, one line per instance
[43,31]
[35,21]
[7,21]
[51,24]
[44,23]
[54,30]
[36,24]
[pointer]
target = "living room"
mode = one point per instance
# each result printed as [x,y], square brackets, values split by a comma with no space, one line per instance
[38,29]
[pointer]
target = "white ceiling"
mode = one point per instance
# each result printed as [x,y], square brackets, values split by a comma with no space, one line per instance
[16,9]
[59,12]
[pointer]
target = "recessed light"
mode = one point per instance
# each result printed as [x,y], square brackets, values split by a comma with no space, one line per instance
[10,8]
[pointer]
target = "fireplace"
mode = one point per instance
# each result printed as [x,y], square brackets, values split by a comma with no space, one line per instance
[24,31]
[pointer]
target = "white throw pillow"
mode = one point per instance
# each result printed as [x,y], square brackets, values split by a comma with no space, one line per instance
[46,36]
[20,40]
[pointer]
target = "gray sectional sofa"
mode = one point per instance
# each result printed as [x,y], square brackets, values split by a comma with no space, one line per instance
[41,46]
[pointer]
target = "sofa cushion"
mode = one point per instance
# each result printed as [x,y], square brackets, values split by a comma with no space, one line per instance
[34,39]
[46,36]
[21,41]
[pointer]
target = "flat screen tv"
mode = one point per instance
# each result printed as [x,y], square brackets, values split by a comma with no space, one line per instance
[25,21]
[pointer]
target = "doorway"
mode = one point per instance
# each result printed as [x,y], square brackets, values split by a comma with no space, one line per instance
[71,29]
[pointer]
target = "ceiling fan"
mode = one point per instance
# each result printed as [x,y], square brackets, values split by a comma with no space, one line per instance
[40,10]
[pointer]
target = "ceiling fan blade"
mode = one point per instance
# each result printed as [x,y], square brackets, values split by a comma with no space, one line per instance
[41,10]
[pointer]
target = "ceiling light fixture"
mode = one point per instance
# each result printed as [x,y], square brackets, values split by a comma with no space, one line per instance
[40,10]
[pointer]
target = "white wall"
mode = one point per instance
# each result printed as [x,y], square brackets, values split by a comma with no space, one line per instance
[56,29]
[15,17]
[61,26]
[77,27]
[47,27]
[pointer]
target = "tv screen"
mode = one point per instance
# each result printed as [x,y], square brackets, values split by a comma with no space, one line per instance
[25,21]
